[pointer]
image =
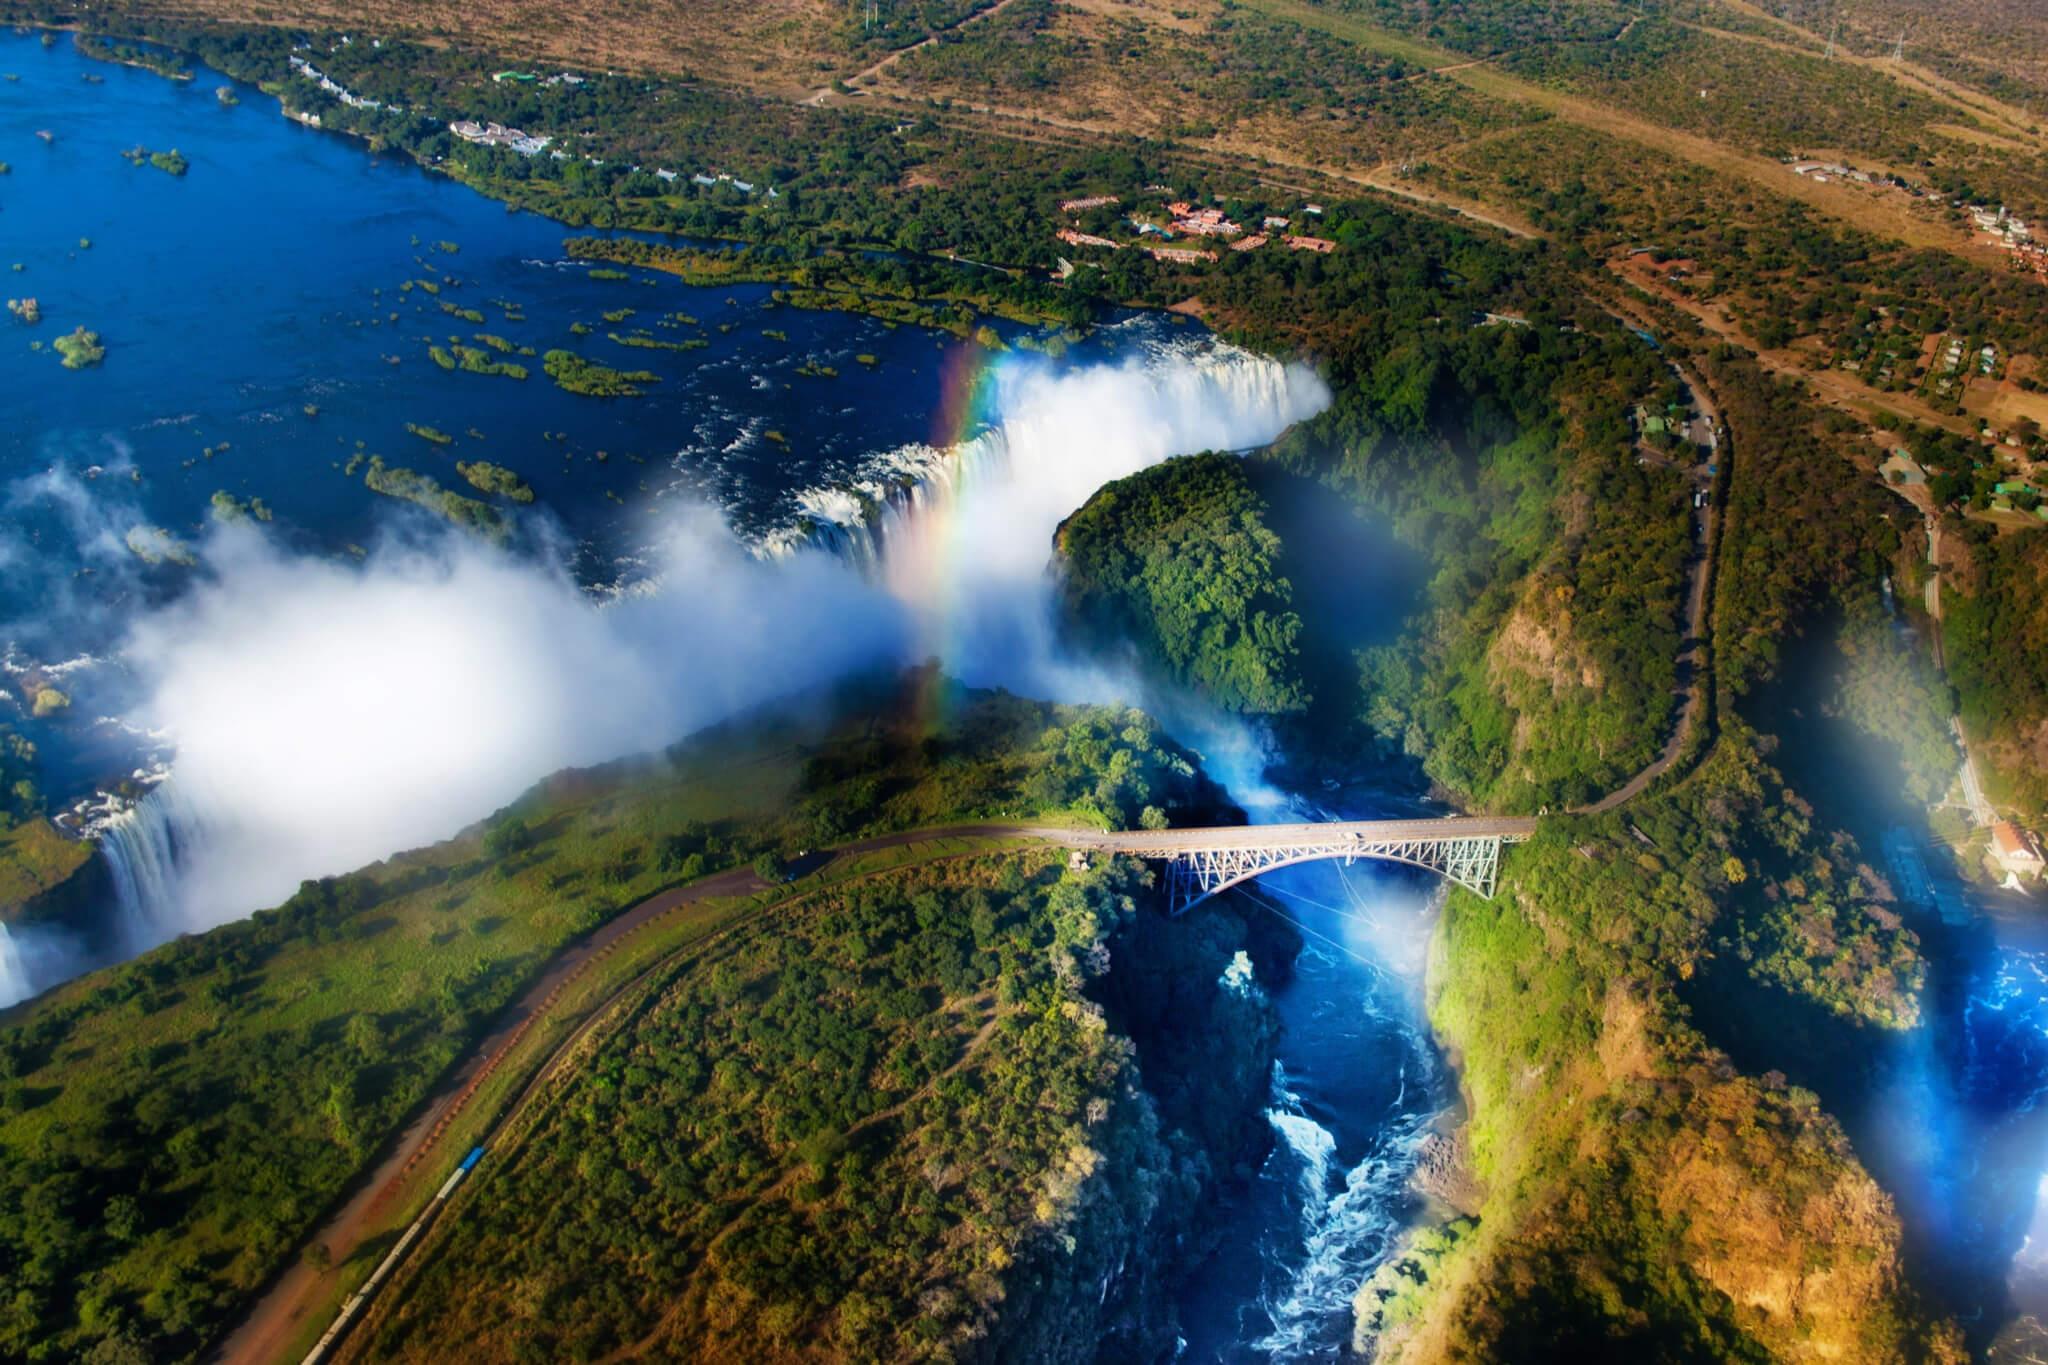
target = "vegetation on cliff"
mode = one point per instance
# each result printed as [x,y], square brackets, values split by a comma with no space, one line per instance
[1178,562]
[41,871]
[1604,1122]
[1587,1000]
[1995,634]
[886,1124]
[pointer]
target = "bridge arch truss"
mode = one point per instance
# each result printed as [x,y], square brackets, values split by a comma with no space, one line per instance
[1472,861]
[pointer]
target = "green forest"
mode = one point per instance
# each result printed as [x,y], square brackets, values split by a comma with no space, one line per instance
[1178,562]
[172,1127]
[886,1123]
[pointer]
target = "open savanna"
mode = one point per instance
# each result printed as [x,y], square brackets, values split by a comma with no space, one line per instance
[1883,215]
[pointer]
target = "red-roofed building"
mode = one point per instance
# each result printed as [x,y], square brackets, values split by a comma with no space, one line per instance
[1073,238]
[1321,244]
[2015,850]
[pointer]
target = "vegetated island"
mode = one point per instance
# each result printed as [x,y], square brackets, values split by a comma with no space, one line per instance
[578,375]
[906,292]
[155,546]
[225,507]
[495,478]
[81,349]
[424,491]
[652,343]
[474,360]
[171,162]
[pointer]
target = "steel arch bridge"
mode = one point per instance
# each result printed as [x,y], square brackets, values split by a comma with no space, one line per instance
[1201,862]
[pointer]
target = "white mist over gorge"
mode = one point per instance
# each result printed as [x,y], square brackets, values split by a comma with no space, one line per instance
[326,715]
[329,714]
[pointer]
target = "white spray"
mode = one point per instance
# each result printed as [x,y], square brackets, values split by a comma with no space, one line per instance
[327,715]
[15,982]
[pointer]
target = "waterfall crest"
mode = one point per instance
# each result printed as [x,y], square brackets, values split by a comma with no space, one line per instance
[145,847]
[1058,437]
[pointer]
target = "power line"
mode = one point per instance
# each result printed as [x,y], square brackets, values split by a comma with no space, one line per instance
[1343,948]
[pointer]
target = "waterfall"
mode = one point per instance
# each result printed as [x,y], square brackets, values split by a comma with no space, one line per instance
[14,975]
[326,715]
[1058,435]
[144,847]
[962,536]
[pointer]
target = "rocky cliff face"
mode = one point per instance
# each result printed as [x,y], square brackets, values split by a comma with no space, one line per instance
[1189,1122]
[45,876]
[1642,1198]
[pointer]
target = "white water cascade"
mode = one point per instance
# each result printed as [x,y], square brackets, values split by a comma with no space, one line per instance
[15,982]
[143,847]
[1344,1234]
[328,715]
[963,536]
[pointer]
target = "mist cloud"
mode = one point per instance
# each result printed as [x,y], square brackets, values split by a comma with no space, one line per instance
[328,714]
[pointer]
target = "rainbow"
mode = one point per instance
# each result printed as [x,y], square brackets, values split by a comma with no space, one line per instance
[923,561]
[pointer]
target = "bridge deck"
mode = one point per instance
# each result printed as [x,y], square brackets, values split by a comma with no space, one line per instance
[1201,862]
[1169,843]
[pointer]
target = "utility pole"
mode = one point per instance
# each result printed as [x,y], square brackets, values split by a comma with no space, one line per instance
[1831,40]
[1899,48]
